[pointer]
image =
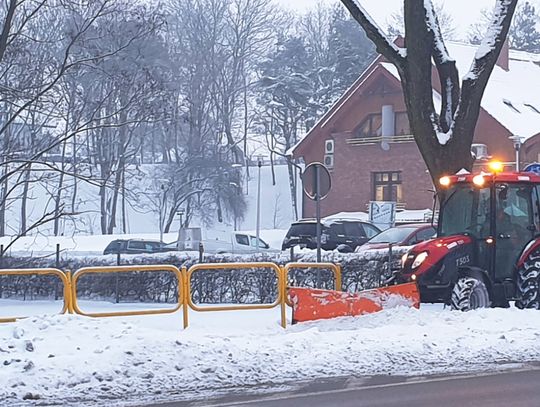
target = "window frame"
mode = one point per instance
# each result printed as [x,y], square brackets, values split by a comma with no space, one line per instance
[377,179]
[240,235]
[369,117]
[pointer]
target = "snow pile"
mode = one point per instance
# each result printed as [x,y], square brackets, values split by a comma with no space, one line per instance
[62,359]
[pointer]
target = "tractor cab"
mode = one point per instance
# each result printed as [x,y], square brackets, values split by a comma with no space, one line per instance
[488,224]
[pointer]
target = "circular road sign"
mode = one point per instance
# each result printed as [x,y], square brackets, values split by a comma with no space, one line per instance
[312,173]
[534,168]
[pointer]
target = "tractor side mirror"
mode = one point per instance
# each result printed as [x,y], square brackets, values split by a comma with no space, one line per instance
[502,192]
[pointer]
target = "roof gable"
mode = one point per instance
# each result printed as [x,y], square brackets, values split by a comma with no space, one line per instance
[512,97]
[368,82]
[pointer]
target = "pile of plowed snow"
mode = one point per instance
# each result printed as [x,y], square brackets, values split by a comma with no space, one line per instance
[62,359]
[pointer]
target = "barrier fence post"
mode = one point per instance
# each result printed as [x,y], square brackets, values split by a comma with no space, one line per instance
[389,262]
[70,293]
[338,280]
[1,255]
[57,255]
[185,293]
[283,295]
[117,295]
[201,252]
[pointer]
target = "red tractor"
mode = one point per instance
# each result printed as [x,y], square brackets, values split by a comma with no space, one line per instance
[487,250]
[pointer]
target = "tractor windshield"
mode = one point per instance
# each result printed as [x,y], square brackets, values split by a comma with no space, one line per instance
[465,210]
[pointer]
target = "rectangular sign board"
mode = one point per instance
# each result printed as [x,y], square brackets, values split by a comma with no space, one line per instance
[382,213]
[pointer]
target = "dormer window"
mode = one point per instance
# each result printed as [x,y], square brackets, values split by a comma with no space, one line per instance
[372,125]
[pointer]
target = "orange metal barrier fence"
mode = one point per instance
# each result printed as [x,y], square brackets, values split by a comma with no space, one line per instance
[280,289]
[123,269]
[183,278]
[64,278]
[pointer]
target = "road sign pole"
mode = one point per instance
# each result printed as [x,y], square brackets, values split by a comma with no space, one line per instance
[317,183]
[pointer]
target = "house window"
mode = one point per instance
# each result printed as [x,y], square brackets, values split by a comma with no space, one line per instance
[387,186]
[402,124]
[372,125]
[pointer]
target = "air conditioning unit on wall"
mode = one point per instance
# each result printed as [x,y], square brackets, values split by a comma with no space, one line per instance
[329,161]
[329,146]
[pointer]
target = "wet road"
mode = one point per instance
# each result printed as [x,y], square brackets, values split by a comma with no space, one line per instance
[516,388]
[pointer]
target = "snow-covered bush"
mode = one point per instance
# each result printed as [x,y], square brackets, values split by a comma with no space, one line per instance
[232,285]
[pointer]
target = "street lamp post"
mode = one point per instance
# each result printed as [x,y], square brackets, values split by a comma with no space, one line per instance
[258,230]
[517,146]
[163,197]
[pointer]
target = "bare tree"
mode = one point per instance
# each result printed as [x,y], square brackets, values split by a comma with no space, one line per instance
[396,26]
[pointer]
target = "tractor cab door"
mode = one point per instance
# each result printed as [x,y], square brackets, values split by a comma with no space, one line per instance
[514,225]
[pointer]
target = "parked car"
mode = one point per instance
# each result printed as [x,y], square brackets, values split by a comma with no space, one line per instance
[344,234]
[235,242]
[135,246]
[401,235]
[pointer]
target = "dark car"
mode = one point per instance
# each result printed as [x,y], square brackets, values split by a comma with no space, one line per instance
[347,234]
[135,246]
[402,235]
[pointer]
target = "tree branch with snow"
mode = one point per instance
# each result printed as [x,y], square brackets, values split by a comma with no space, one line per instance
[385,47]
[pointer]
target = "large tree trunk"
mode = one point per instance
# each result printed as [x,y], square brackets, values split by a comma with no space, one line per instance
[292,187]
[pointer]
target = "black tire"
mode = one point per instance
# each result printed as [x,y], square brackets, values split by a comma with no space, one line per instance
[528,282]
[469,293]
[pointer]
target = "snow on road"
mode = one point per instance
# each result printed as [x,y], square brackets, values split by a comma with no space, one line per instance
[74,359]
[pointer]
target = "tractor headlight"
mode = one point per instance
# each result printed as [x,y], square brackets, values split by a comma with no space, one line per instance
[419,259]
[404,259]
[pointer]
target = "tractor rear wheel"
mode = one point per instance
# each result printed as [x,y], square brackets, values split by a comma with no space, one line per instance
[528,282]
[469,293]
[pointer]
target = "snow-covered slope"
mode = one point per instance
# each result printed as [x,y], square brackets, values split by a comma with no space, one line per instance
[142,215]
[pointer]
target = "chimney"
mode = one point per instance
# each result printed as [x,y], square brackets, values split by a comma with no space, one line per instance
[504,57]
[388,121]
[399,41]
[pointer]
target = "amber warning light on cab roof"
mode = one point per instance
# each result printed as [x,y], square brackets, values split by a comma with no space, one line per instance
[496,166]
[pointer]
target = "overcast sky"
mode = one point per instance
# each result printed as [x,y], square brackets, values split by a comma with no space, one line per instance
[464,12]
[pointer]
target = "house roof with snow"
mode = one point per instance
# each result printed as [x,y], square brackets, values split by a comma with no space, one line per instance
[512,96]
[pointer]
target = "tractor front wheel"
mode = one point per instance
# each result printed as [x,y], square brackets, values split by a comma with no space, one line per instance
[469,293]
[528,282]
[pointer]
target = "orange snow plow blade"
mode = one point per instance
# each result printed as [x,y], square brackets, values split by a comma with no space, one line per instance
[310,304]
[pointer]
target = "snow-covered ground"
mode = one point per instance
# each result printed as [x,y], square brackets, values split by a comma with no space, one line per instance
[73,359]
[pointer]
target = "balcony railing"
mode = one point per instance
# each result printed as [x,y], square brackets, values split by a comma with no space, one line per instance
[379,139]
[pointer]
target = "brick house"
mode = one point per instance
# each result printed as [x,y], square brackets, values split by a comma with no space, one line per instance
[365,140]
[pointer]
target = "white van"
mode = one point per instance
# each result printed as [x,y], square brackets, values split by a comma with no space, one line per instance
[220,242]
